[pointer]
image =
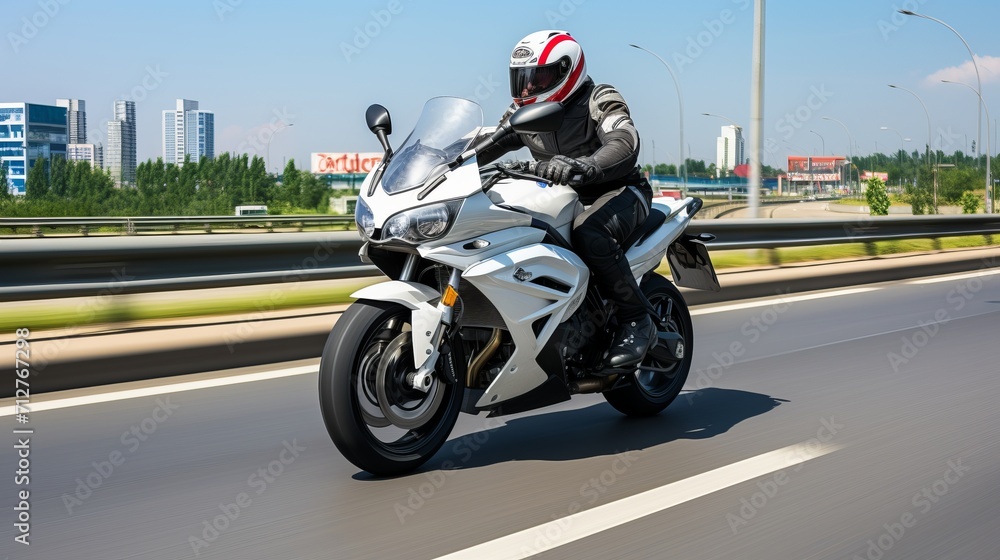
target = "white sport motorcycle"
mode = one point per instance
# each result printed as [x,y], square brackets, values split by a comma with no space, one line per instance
[487,307]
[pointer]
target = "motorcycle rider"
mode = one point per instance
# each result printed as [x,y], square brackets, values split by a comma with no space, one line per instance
[595,152]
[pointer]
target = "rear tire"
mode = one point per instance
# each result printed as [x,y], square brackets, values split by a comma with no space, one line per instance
[656,385]
[349,397]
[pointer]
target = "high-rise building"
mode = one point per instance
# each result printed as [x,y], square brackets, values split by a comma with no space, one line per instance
[188,131]
[76,116]
[729,150]
[85,152]
[121,144]
[28,132]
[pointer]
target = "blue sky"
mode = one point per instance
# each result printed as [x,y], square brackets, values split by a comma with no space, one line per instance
[319,64]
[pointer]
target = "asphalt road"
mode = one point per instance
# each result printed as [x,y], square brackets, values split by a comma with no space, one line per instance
[881,400]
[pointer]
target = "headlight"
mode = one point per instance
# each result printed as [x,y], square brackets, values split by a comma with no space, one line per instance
[421,224]
[364,219]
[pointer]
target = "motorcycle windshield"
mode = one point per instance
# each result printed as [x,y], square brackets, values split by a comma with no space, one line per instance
[446,128]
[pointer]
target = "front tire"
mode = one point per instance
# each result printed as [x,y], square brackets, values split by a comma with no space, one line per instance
[656,385]
[354,378]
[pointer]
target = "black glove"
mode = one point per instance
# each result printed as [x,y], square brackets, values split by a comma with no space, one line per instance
[569,171]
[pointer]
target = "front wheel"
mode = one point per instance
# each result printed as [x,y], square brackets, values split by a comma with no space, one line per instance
[375,418]
[655,385]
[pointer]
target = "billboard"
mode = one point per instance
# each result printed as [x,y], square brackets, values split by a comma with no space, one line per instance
[869,174]
[815,168]
[344,162]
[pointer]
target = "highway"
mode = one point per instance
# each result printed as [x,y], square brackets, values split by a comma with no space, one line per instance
[858,422]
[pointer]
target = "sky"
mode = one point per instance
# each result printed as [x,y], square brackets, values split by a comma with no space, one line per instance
[317,65]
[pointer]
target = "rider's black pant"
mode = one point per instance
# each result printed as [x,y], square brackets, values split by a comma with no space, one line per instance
[597,237]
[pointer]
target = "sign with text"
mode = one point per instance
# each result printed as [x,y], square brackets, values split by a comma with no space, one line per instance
[345,162]
[881,175]
[815,168]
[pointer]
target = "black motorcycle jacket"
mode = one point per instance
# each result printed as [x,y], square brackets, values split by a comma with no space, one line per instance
[596,124]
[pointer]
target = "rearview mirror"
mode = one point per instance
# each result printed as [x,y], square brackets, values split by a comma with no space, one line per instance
[379,122]
[537,117]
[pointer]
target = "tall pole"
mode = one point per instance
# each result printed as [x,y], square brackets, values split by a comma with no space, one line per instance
[901,149]
[979,85]
[680,104]
[850,148]
[928,114]
[821,140]
[756,107]
[989,148]
[267,162]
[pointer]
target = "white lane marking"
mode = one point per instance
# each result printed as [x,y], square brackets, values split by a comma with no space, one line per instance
[779,301]
[161,389]
[954,277]
[601,518]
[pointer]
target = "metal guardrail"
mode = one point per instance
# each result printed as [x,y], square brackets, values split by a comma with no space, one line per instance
[176,224]
[74,266]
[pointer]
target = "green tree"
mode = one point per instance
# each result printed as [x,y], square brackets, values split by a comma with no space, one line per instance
[60,177]
[878,198]
[5,194]
[36,187]
[970,202]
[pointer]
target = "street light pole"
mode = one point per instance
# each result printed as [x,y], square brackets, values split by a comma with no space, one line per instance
[267,162]
[756,107]
[850,147]
[989,148]
[901,150]
[680,104]
[821,140]
[926,112]
[979,83]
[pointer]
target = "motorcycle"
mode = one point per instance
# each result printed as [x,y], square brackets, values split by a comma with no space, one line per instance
[487,307]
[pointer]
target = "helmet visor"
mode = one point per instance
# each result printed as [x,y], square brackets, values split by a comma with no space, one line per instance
[530,81]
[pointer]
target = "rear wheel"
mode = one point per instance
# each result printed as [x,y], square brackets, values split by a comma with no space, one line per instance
[375,418]
[655,385]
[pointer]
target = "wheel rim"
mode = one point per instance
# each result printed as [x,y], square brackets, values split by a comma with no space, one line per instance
[394,418]
[653,377]
[402,405]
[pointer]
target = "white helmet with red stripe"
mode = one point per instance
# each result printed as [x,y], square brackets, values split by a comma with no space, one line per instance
[546,66]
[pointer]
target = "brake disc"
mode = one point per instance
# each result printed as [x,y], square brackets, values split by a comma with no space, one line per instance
[401,404]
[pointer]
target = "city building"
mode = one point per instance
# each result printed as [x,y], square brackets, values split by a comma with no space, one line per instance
[86,152]
[76,117]
[28,132]
[120,156]
[188,131]
[729,150]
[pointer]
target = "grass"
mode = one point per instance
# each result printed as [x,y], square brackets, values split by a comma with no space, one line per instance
[80,312]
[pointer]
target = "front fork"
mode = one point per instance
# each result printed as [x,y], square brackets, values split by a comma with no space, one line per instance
[422,378]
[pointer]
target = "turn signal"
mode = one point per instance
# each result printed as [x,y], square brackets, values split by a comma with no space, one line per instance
[449,297]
